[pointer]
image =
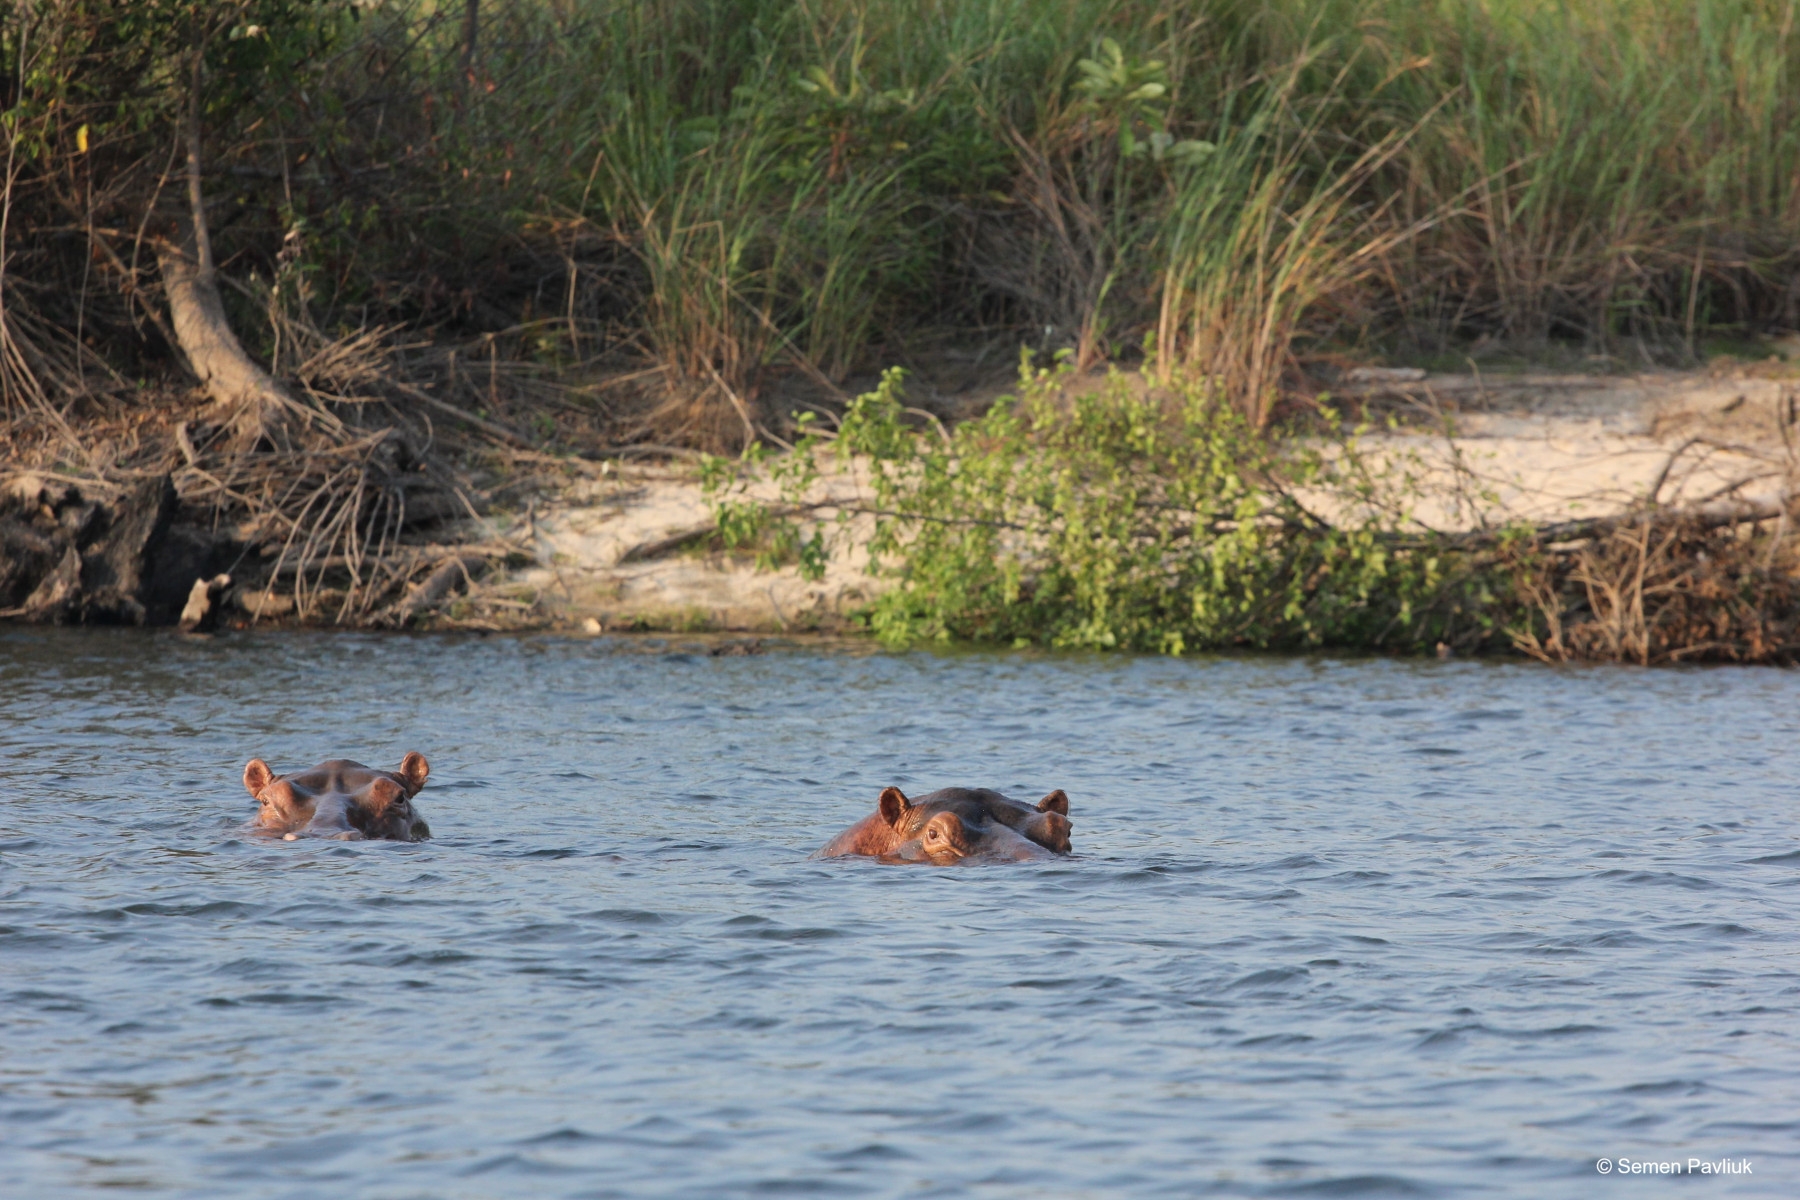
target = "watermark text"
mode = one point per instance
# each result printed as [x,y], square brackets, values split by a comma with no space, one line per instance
[1674,1166]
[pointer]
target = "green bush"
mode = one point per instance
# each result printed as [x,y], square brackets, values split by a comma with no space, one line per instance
[1138,515]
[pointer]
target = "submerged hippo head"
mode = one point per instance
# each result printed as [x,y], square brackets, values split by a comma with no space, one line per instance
[340,799]
[956,825]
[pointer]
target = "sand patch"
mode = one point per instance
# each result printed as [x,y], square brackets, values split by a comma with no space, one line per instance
[632,548]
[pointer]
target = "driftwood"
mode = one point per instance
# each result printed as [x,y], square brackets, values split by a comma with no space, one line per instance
[657,547]
[65,556]
[431,591]
[1595,527]
[201,612]
[1669,587]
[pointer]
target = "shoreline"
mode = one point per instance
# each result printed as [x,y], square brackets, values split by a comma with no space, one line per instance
[620,548]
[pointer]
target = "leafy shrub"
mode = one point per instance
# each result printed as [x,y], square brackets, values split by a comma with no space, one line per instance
[1146,516]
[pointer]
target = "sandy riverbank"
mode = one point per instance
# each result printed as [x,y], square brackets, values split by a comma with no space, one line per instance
[626,547]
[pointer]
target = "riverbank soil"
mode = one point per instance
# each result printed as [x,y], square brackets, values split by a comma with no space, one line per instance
[378,290]
[372,528]
[1542,448]
[631,548]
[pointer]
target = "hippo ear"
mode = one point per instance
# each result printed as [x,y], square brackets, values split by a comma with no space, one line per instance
[382,793]
[1056,802]
[414,769]
[893,805]
[257,776]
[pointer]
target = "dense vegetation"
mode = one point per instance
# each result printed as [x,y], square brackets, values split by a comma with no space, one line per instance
[744,194]
[1149,514]
[662,226]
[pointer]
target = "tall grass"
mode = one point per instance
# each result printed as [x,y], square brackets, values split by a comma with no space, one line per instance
[1390,177]
[1277,219]
[1620,169]
[742,190]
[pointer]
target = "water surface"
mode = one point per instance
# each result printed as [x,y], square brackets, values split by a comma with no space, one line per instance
[1334,927]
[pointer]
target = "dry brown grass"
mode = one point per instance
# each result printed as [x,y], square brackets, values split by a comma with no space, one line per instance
[360,490]
[1665,588]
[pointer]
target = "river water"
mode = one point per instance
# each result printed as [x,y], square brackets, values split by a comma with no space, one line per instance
[1333,926]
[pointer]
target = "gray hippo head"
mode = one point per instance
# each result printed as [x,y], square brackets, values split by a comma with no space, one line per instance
[955,825]
[340,799]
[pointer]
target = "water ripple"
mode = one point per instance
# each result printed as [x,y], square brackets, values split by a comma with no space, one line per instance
[1333,928]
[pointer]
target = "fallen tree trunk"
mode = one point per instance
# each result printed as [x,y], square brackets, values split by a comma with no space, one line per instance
[433,589]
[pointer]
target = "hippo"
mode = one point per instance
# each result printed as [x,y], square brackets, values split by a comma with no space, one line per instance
[340,799]
[954,825]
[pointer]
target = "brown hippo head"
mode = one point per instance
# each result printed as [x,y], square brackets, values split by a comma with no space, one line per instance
[340,799]
[956,825]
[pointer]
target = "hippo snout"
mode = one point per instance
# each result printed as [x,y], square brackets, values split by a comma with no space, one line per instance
[332,832]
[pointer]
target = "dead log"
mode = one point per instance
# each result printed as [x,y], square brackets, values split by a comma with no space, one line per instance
[27,554]
[116,567]
[657,547]
[1712,517]
[58,596]
[430,592]
[201,613]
